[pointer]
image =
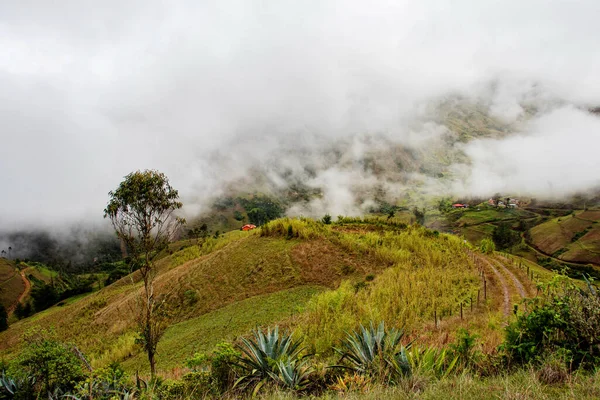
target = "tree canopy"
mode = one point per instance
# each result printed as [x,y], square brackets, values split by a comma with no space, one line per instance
[141,211]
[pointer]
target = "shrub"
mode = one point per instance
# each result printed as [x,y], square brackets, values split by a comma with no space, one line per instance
[238,216]
[52,364]
[222,360]
[566,319]
[464,348]
[487,246]
[105,383]
[198,384]
[219,366]
[171,389]
[326,219]
[504,237]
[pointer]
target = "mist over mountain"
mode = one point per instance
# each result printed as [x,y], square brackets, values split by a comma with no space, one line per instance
[357,101]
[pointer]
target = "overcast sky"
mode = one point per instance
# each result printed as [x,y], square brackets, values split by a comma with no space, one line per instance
[92,90]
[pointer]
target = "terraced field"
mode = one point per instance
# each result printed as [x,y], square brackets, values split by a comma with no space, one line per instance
[574,238]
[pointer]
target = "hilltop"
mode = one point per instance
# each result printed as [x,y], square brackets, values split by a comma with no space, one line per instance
[283,272]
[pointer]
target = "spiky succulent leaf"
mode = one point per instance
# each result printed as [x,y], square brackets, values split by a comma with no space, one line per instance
[262,358]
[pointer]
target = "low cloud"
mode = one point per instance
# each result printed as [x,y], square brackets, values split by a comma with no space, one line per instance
[355,99]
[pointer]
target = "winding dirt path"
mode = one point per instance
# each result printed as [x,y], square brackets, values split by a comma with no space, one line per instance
[502,281]
[510,284]
[23,295]
[518,284]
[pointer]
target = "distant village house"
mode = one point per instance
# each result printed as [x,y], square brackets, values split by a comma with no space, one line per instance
[248,227]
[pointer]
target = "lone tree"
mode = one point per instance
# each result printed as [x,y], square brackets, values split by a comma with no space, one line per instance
[141,210]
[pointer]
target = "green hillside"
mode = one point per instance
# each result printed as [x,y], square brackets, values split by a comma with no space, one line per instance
[210,288]
[319,282]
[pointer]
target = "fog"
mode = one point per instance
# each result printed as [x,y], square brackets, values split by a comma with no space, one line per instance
[215,93]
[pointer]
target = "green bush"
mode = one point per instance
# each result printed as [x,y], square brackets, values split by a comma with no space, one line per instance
[238,216]
[53,364]
[464,348]
[487,246]
[504,237]
[171,389]
[105,383]
[566,320]
[219,366]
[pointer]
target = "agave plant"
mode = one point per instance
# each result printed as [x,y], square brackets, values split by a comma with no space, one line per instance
[274,357]
[292,374]
[10,387]
[376,352]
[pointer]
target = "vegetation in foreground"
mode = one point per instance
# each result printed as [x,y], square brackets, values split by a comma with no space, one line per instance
[552,350]
[346,343]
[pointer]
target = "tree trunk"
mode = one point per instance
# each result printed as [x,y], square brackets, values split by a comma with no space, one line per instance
[152,363]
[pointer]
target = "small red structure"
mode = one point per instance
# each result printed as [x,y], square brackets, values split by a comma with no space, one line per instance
[248,227]
[458,205]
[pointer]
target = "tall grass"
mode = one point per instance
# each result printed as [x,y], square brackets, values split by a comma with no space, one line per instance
[302,228]
[431,274]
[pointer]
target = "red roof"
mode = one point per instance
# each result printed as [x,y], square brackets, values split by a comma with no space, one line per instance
[458,205]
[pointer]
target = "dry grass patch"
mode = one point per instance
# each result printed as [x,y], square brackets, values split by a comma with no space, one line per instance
[324,263]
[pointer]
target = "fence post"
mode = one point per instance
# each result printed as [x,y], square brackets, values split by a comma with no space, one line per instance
[461,311]
[484,288]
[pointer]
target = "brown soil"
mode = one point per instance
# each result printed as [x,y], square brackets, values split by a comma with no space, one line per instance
[323,263]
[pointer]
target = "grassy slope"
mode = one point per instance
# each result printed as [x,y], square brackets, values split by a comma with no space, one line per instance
[427,272]
[237,267]
[202,333]
[225,287]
